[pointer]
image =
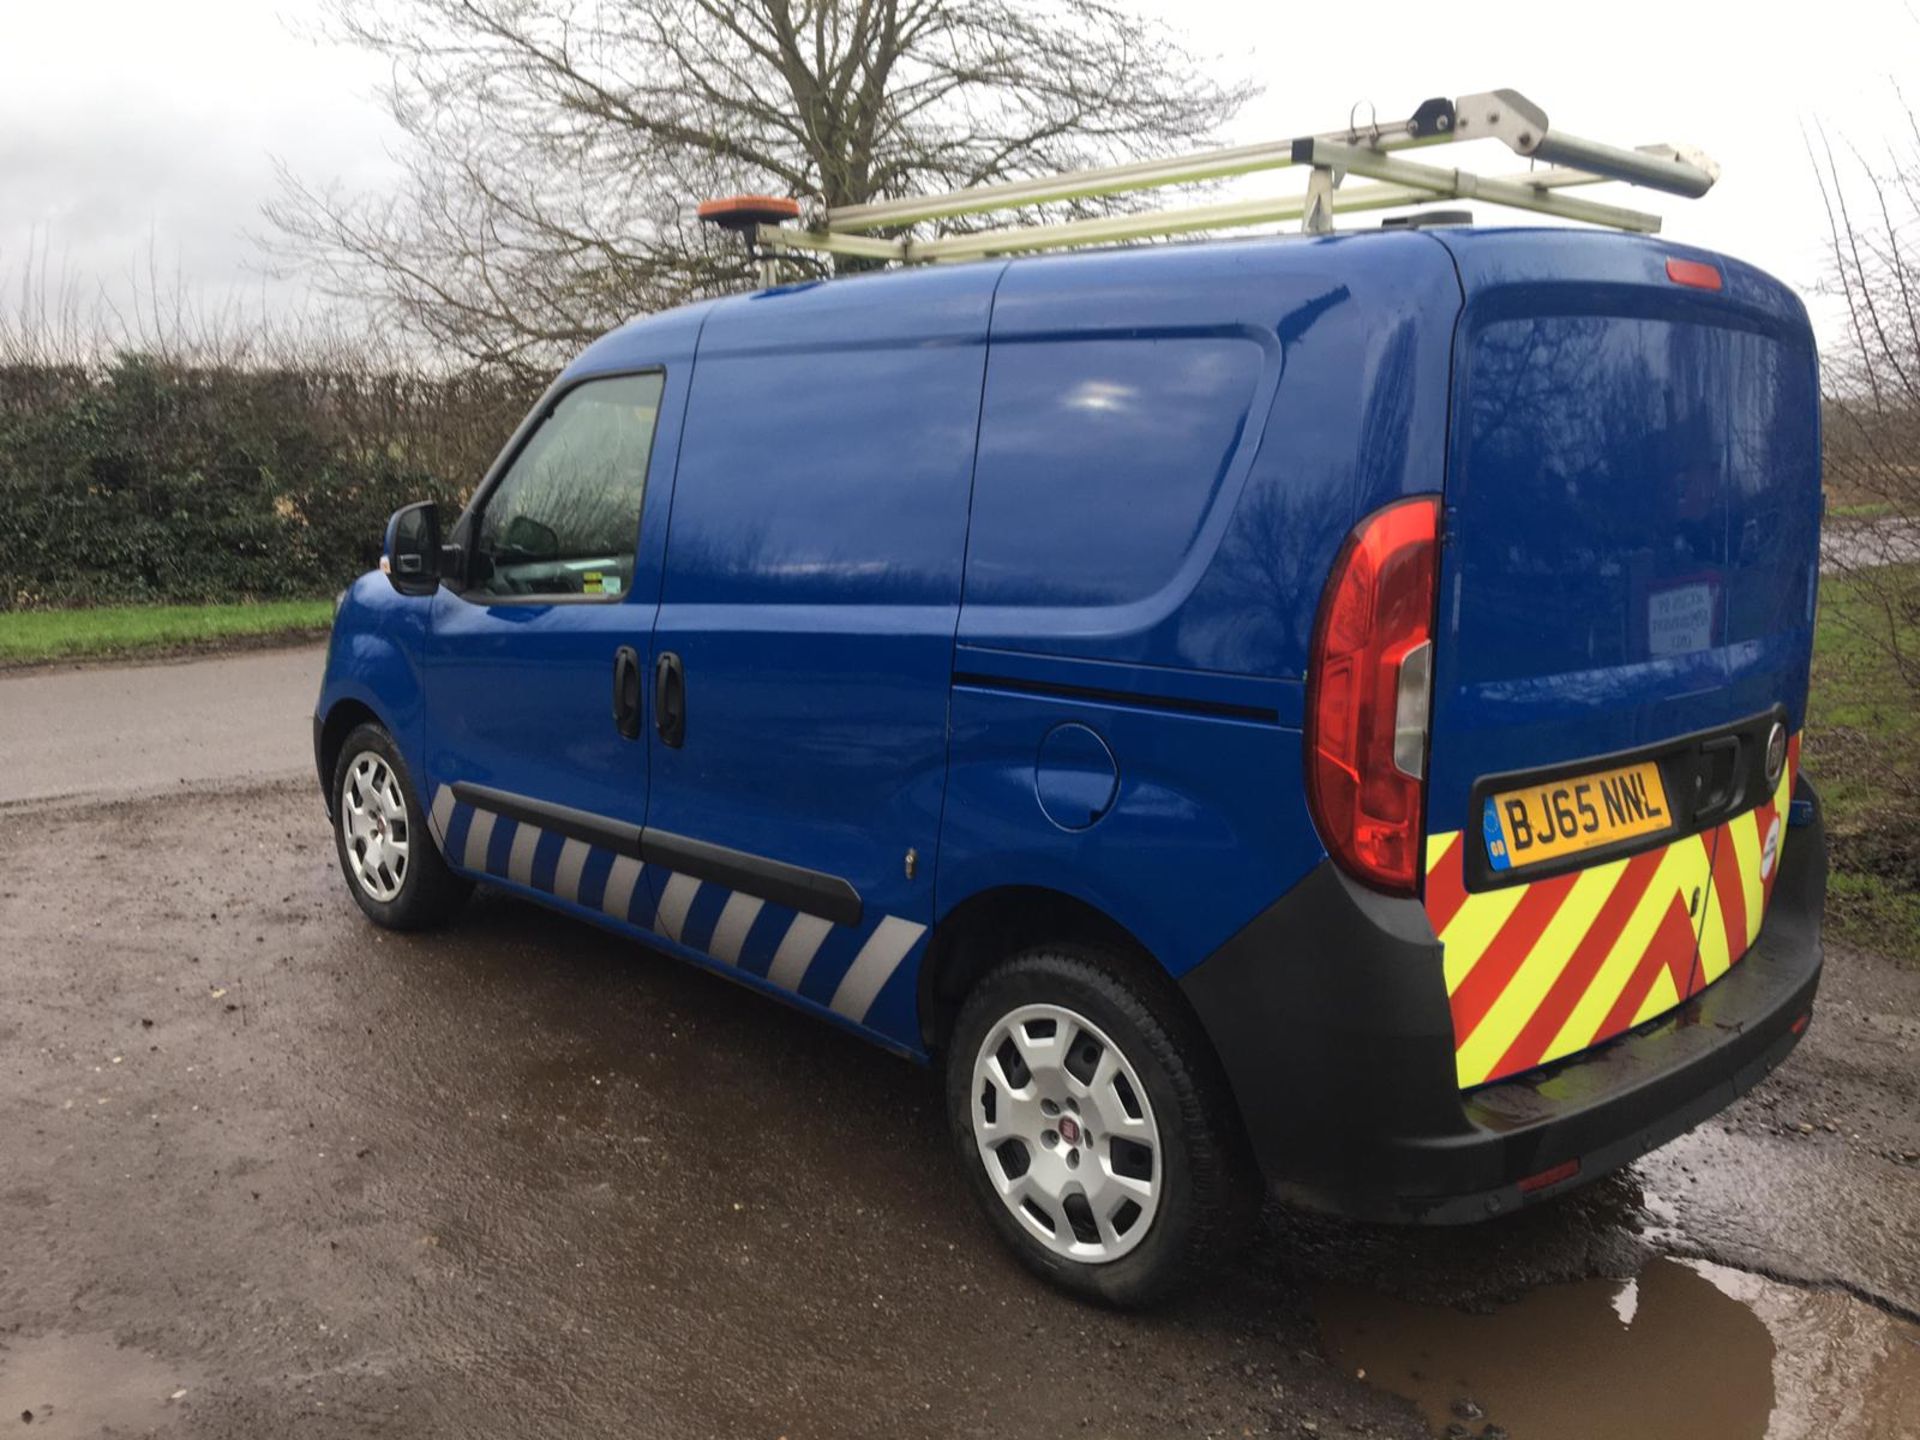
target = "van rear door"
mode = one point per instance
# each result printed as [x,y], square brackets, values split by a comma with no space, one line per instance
[1625,612]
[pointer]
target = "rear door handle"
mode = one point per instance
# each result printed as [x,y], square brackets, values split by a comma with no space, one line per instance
[670,699]
[626,691]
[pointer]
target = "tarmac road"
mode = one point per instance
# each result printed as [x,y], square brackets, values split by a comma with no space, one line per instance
[133,729]
[271,1171]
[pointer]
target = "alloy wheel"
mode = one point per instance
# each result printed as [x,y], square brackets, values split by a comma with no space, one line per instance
[373,819]
[1066,1133]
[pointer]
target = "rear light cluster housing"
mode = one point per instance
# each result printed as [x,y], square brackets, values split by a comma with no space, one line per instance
[1369,692]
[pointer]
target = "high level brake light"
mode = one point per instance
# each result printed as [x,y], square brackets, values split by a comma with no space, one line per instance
[1696,273]
[1369,685]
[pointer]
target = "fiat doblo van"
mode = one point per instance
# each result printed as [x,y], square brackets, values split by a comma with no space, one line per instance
[1312,715]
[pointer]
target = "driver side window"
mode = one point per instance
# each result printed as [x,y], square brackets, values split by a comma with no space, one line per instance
[564,520]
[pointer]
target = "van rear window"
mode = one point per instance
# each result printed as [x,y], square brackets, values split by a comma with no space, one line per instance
[1627,490]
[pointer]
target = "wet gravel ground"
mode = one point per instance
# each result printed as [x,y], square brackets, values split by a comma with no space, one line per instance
[268,1170]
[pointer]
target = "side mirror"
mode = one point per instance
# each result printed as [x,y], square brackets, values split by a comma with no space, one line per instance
[529,538]
[411,556]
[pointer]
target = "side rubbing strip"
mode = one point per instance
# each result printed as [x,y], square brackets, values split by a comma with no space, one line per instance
[892,938]
[797,949]
[620,882]
[566,873]
[615,835]
[730,931]
[442,815]
[479,836]
[676,898]
[812,891]
[520,859]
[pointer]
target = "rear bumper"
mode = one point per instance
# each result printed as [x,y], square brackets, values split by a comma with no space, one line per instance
[1329,1014]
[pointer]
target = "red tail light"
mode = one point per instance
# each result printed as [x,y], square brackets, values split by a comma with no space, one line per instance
[1368,687]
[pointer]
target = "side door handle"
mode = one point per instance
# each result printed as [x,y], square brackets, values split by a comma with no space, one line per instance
[670,699]
[626,691]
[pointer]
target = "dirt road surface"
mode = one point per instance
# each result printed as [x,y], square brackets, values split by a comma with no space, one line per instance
[270,1171]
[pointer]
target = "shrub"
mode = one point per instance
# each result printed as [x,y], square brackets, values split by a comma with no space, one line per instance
[148,478]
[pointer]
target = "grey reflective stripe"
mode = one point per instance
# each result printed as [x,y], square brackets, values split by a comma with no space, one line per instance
[520,858]
[797,949]
[566,874]
[892,938]
[675,900]
[730,933]
[442,814]
[479,836]
[620,883]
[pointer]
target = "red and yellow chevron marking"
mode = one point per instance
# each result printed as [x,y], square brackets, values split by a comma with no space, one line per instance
[1743,876]
[1542,970]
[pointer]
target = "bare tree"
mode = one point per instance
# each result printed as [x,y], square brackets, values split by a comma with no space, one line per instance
[1871,387]
[1870,600]
[556,147]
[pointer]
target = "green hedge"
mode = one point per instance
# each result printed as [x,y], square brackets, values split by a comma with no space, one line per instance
[146,480]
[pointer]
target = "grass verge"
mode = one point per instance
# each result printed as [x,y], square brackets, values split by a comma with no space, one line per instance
[1863,751]
[31,636]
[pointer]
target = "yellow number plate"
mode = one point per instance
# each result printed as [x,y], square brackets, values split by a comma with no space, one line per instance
[1547,822]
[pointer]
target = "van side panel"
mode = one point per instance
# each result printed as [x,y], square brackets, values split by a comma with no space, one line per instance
[1173,447]
[1199,826]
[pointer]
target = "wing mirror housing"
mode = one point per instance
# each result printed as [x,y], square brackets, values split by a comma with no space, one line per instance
[412,556]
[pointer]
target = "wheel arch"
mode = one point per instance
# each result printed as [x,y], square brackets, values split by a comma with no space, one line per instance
[991,925]
[995,924]
[339,722]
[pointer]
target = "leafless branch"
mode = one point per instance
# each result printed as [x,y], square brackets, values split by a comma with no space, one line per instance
[554,148]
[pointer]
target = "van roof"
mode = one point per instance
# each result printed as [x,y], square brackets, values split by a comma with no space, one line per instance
[1537,252]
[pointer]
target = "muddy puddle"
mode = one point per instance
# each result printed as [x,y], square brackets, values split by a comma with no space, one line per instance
[86,1385]
[1687,1350]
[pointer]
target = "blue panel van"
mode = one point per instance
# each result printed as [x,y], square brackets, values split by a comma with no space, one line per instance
[1314,716]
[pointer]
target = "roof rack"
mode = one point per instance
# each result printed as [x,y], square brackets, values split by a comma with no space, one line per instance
[1366,150]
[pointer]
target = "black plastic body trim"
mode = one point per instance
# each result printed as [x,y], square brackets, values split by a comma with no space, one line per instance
[813,891]
[1219,709]
[616,835]
[1700,792]
[1329,1015]
[320,762]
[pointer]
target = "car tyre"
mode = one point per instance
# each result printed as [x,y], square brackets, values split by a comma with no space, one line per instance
[1144,1077]
[388,854]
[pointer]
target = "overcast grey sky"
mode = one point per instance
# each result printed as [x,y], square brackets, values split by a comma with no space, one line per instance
[133,132]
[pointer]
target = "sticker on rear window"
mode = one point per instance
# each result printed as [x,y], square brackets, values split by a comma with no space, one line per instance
[1680,620]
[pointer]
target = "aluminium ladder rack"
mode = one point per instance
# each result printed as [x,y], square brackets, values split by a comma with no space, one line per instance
[1365,150]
